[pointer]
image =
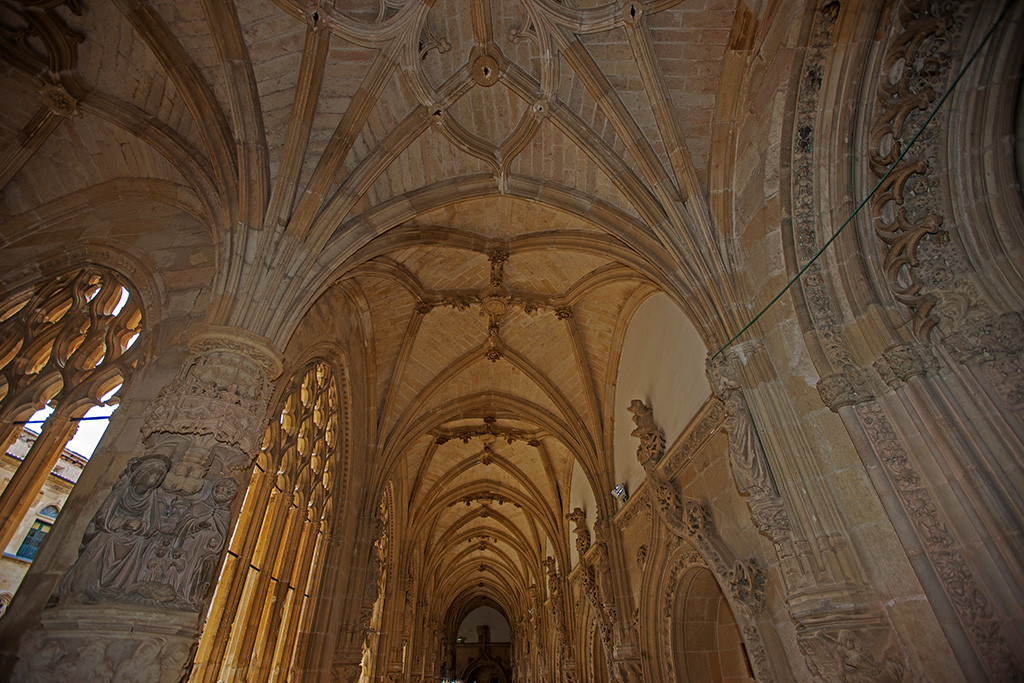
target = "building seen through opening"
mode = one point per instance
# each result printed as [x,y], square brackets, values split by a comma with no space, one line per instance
[493,342]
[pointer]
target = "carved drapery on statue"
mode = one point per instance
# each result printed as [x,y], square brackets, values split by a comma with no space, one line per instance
[373,583]
[750,468]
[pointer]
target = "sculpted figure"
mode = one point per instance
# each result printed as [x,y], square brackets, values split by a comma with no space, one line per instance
[201,535]
[652,441]
[110,557]
[748,462]
[180,567]
[579,518]
[857,666]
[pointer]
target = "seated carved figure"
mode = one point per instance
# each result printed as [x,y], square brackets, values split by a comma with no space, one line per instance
[110,557]
[178,567]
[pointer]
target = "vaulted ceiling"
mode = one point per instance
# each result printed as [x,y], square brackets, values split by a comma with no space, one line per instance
[496,186]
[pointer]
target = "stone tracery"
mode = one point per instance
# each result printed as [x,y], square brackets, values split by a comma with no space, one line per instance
[466,205]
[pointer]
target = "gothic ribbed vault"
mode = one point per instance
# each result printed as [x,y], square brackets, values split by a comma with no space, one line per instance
[423,283]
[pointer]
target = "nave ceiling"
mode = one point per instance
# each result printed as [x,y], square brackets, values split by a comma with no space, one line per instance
[493,186]
[448,242]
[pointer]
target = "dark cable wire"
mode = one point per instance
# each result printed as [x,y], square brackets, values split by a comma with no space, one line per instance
[70,419]
[881,180]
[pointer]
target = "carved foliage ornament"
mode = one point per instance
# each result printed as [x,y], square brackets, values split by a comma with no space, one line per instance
[747,582]
[989,339]
[908,207]
[969,601]
[845,389]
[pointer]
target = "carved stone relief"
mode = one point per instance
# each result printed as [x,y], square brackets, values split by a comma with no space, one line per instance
[63,652]
[150,546]
[156,540]
[996,347]
[745,581]
[578,518]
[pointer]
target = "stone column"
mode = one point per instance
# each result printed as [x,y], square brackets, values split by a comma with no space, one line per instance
[132,603]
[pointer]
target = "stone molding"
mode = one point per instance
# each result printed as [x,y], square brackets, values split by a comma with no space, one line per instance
[987,339]
[950,564]
[743,581]
[848,388]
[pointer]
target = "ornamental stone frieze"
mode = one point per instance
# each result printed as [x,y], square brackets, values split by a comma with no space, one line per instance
[222,393]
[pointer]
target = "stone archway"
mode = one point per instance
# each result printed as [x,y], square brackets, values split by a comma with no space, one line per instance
[485,672]
[706,641]
[599,658]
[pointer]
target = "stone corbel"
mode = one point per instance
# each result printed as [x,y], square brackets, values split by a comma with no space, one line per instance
[345,671]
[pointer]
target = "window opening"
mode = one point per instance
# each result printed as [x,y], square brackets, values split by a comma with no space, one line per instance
[66,347]
[30,546]
[268,586]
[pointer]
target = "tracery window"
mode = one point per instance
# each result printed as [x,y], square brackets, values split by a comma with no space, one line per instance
[267,592]
[68,343]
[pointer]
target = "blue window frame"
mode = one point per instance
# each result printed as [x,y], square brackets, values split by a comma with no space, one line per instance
[34,539]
